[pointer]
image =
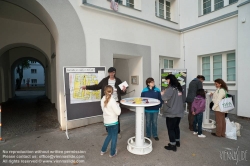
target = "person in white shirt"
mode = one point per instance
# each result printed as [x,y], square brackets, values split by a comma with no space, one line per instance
[111,111]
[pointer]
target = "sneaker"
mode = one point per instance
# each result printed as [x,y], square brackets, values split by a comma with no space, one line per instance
[201,136]
[195,133]
[114,154]
[156,138]
[102,153]
[119,136]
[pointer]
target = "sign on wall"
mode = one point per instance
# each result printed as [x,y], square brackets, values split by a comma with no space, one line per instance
[82,103]
[180,74]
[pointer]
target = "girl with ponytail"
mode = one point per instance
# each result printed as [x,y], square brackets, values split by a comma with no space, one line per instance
[111,111]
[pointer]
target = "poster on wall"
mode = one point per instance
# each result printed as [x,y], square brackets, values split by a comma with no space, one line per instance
[180,74]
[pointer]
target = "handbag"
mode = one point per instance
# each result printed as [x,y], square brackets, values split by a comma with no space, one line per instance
[211,105]
[226,104]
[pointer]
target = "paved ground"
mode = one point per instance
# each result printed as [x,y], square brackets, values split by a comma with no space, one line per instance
[193,151]
[29,111]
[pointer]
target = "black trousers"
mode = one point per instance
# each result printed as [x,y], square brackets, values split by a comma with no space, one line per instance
[173,128]
[118,125]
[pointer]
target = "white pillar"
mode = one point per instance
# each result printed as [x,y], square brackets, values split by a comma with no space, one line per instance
[139,127]
[206,124]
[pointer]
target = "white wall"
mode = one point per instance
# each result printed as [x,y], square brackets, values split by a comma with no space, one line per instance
[243,60]
[147,11]
[135,69]
[206,41]
[127,68]
[25,33]
[189,12]
[103,25]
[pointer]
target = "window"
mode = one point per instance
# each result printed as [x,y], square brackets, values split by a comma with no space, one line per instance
[217,66]
[33,71]
[206,67]
[167,10]
[231,67]
[218,4]
[32,61]
[232,1]
[161,8]
[206,6]
[166,63]
[119,1]
[130,3]
[164,9]
[33,81]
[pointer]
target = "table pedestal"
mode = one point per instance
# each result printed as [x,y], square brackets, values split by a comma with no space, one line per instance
[208,123]
[139,144]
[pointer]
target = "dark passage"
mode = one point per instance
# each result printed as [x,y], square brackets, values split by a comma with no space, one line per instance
[24,114]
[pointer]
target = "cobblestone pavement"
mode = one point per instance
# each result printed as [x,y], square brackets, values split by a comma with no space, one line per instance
[24,114]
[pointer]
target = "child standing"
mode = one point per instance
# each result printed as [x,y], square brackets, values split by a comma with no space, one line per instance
[111,111]
[152,112]
[198,107]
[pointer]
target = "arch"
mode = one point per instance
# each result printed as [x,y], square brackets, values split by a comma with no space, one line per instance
[68,38]
[17,61]
[37,10]
[27,45]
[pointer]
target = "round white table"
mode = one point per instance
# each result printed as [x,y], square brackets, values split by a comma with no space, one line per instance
[138,144]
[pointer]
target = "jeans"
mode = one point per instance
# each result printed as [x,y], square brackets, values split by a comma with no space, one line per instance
[198,119]
[112,136]
[119,129]
[173,129]
[151,124]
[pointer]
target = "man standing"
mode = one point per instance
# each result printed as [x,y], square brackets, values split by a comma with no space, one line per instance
[194,85]
[113,81]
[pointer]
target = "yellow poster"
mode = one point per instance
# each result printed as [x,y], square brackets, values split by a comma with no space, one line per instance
[78,95]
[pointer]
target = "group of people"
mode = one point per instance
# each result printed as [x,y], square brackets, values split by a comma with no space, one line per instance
[173,108]
[196,100]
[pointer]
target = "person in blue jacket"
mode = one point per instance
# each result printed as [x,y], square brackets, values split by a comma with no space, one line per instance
[152,112]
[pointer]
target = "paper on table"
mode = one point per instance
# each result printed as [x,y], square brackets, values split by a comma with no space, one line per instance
[123,84]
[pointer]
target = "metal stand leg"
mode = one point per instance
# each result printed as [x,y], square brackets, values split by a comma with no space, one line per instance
[137,144]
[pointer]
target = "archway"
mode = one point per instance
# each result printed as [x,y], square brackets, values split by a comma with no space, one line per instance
[29,77]
[64,38]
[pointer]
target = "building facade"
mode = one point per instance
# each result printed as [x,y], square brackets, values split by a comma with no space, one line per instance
[34,75]
[209,37]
